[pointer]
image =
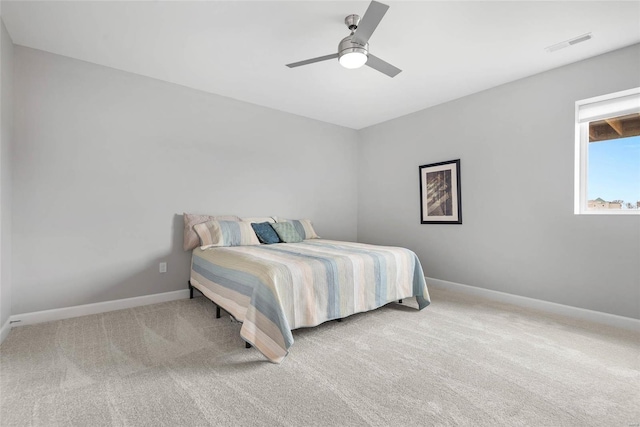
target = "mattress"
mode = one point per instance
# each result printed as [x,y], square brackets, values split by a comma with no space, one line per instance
[274,289]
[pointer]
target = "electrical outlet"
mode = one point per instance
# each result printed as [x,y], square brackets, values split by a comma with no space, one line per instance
[163,267]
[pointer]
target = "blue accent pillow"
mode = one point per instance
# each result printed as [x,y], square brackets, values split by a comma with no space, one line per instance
[265,232]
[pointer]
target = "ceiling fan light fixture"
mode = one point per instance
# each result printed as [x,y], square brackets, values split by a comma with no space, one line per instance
[351,54]
[352,60]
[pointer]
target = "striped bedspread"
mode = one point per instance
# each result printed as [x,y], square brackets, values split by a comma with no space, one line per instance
[274,289]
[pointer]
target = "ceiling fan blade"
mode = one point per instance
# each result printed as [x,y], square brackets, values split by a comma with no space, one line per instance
[311,61]
[382,66]
[369,22]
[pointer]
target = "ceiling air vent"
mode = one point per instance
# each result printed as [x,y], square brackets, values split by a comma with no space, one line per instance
[570,42]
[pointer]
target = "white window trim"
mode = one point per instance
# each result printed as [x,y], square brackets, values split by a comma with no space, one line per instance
[582,152]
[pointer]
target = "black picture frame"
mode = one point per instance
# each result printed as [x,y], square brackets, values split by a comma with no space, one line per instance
[440,193]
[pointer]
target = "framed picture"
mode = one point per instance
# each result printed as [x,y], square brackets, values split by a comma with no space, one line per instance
[440,193]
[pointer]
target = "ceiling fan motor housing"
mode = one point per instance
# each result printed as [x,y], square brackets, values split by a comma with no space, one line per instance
[347,45]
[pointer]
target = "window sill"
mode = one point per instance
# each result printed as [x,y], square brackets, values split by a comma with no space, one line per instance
[610,212]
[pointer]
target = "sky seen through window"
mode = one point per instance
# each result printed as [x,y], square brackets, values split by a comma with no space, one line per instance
[614,170]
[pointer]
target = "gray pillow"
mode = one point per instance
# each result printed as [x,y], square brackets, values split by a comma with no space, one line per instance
[287,232]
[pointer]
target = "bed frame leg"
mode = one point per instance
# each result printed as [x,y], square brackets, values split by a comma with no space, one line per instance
[247,345]
[190,290]
[217,310]
[400,301]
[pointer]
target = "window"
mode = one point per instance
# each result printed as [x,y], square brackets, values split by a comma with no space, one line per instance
[607,164]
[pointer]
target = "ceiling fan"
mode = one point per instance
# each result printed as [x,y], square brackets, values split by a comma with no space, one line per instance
[353,50]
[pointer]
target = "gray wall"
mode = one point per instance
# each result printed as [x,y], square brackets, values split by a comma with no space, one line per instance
[6,135]
[106,162]
[519,234]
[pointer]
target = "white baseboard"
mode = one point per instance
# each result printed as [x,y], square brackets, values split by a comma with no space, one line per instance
[546,306]
[100,307]
[5,330]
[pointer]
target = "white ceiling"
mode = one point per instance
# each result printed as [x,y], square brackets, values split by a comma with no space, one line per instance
[239,49]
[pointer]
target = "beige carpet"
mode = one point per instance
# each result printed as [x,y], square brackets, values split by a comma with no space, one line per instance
[460,361]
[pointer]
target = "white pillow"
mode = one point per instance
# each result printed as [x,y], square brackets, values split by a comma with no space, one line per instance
[225,233]
[191,239]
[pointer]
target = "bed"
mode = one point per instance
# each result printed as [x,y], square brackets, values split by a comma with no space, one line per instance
[274,289]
